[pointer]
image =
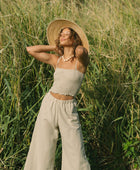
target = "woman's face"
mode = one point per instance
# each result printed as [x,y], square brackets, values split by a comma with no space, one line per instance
[65,37]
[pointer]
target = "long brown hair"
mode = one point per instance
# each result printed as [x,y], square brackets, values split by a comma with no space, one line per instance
[77,41]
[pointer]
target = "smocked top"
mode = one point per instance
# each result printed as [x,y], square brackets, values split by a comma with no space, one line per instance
[67,81]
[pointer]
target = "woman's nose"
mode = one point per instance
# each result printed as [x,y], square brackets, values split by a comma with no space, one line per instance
[63,35]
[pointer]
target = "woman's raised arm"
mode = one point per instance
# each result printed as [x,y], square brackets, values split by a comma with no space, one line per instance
[82,55]
[39,53]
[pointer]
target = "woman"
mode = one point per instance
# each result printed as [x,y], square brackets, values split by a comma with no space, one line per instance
[58,110]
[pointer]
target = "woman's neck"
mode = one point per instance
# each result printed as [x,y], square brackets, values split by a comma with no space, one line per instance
[68,51]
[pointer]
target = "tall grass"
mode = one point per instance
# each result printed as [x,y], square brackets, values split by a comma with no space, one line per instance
[109,99]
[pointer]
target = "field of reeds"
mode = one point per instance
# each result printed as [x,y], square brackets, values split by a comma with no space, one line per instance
[109,99]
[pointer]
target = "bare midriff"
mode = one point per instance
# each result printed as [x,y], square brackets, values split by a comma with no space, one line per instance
[61,96]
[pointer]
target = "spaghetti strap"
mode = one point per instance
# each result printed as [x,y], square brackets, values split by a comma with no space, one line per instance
[76,64]
[58,61]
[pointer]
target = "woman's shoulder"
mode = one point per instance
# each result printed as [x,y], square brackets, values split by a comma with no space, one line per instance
[83,58]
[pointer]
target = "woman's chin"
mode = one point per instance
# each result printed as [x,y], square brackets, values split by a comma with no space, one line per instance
[62,43]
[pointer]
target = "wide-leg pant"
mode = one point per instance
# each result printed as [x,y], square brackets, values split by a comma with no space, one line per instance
[57,115]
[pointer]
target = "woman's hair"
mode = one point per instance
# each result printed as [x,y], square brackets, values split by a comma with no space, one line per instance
[77,41]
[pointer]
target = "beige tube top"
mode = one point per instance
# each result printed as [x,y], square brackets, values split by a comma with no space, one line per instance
[67,81]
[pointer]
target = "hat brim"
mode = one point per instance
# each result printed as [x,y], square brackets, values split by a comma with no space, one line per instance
[55,27]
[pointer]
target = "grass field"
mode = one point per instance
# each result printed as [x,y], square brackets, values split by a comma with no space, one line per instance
[109,99]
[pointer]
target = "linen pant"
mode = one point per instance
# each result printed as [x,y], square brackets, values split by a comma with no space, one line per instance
[57,115]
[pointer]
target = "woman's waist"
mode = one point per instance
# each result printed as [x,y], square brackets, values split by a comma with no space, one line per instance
[61,96]
[64,90]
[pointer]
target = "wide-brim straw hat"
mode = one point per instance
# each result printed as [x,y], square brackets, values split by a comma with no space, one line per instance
[57,25]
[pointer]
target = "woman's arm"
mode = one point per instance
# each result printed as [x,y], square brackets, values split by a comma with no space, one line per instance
[39,53]
[82,55]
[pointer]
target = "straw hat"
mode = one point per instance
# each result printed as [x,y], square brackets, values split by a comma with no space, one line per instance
[55,27]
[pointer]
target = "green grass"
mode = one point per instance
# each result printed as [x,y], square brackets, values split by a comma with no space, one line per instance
[109,99]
